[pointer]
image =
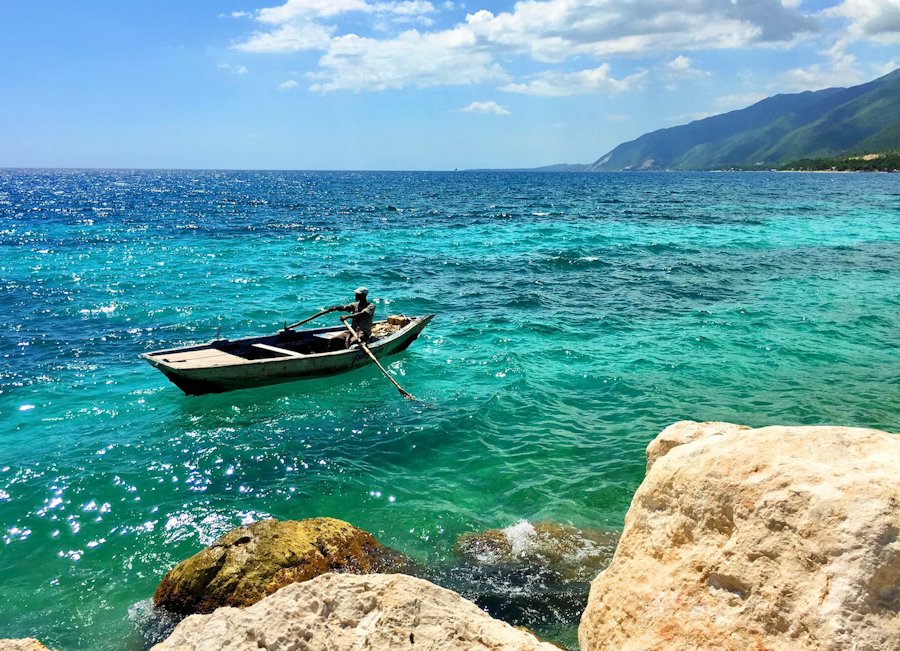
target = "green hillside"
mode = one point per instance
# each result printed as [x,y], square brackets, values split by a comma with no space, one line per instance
[779,129]
[888,161]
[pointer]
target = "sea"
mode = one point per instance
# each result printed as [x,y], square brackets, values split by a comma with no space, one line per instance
[577,315]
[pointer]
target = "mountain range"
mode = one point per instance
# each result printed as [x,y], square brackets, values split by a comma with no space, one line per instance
[776,130]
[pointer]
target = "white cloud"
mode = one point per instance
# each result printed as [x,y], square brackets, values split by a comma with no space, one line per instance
[683,67]
[238,70]
[877,20]
[841,71]
[408,8]
[411,59]
[297,25]
[544,30]
[389,14]
[727,103]
[305,10]
[288,85]
[881,69]
[557,84]
[308,9]
[685,118]
[679,69]
[294,37]
[679,63]
[553,30]
[486,107]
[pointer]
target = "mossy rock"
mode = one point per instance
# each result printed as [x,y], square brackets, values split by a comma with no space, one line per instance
[252,562]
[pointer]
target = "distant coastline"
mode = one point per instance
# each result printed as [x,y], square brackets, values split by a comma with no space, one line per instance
[884,161]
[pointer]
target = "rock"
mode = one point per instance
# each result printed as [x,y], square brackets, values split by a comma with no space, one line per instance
[537,575]
[249,563]
[772,538]
[571,552]
[22,644]
[342,611]
[684,432]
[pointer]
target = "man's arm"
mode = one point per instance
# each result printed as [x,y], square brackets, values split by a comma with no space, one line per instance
[368,309]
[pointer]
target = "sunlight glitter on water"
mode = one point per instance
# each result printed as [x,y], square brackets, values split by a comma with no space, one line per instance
[576,317]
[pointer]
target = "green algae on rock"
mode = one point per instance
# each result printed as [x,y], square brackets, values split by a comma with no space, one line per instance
[249,563]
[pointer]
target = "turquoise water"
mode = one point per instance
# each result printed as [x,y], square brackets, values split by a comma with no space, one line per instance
[577,315]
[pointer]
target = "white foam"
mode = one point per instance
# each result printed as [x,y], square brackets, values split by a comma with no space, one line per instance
[520,536]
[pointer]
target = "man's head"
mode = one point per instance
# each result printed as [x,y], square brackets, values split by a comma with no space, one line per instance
[361,293]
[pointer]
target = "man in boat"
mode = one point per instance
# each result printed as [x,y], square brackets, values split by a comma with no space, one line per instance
[362,313]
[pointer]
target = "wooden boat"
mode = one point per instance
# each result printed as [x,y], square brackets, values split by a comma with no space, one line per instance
[289,355]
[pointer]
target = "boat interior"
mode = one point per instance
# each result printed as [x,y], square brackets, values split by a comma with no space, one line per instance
[282,345]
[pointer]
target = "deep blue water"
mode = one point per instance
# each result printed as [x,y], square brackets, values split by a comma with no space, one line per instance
[577,315]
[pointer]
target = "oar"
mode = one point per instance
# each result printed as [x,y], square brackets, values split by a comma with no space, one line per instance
[406,394]
[314,316]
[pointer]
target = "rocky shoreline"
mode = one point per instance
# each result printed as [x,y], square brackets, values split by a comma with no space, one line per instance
[738,538]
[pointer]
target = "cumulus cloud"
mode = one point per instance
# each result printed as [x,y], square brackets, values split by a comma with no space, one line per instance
[293,37]
[486,107]
[288,85]
[298,26]
[411,59]
[841,70]
[679,63]
[682,66]
[878,20]
[679,69]
[547,31]
[409,8]
[556,84]
[883,68]
[553,30]
[738,101]
[307,9]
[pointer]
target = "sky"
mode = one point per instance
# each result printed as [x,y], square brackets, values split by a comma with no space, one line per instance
[403,84]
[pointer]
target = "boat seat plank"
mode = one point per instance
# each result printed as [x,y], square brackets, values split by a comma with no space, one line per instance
[201,358]
[276,349]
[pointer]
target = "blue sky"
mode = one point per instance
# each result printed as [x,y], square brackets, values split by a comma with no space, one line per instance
[403,84]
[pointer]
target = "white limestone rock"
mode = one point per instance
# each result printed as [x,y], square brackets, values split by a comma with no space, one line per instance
[772,538]
[345,611]
[21,644]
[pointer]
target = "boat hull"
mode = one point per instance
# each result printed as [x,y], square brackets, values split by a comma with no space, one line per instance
[199,370]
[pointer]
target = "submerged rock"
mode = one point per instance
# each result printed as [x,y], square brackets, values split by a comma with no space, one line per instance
[772,538]
[150,624]
[575,554]
[249,563]
[387,611]
[537,575]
